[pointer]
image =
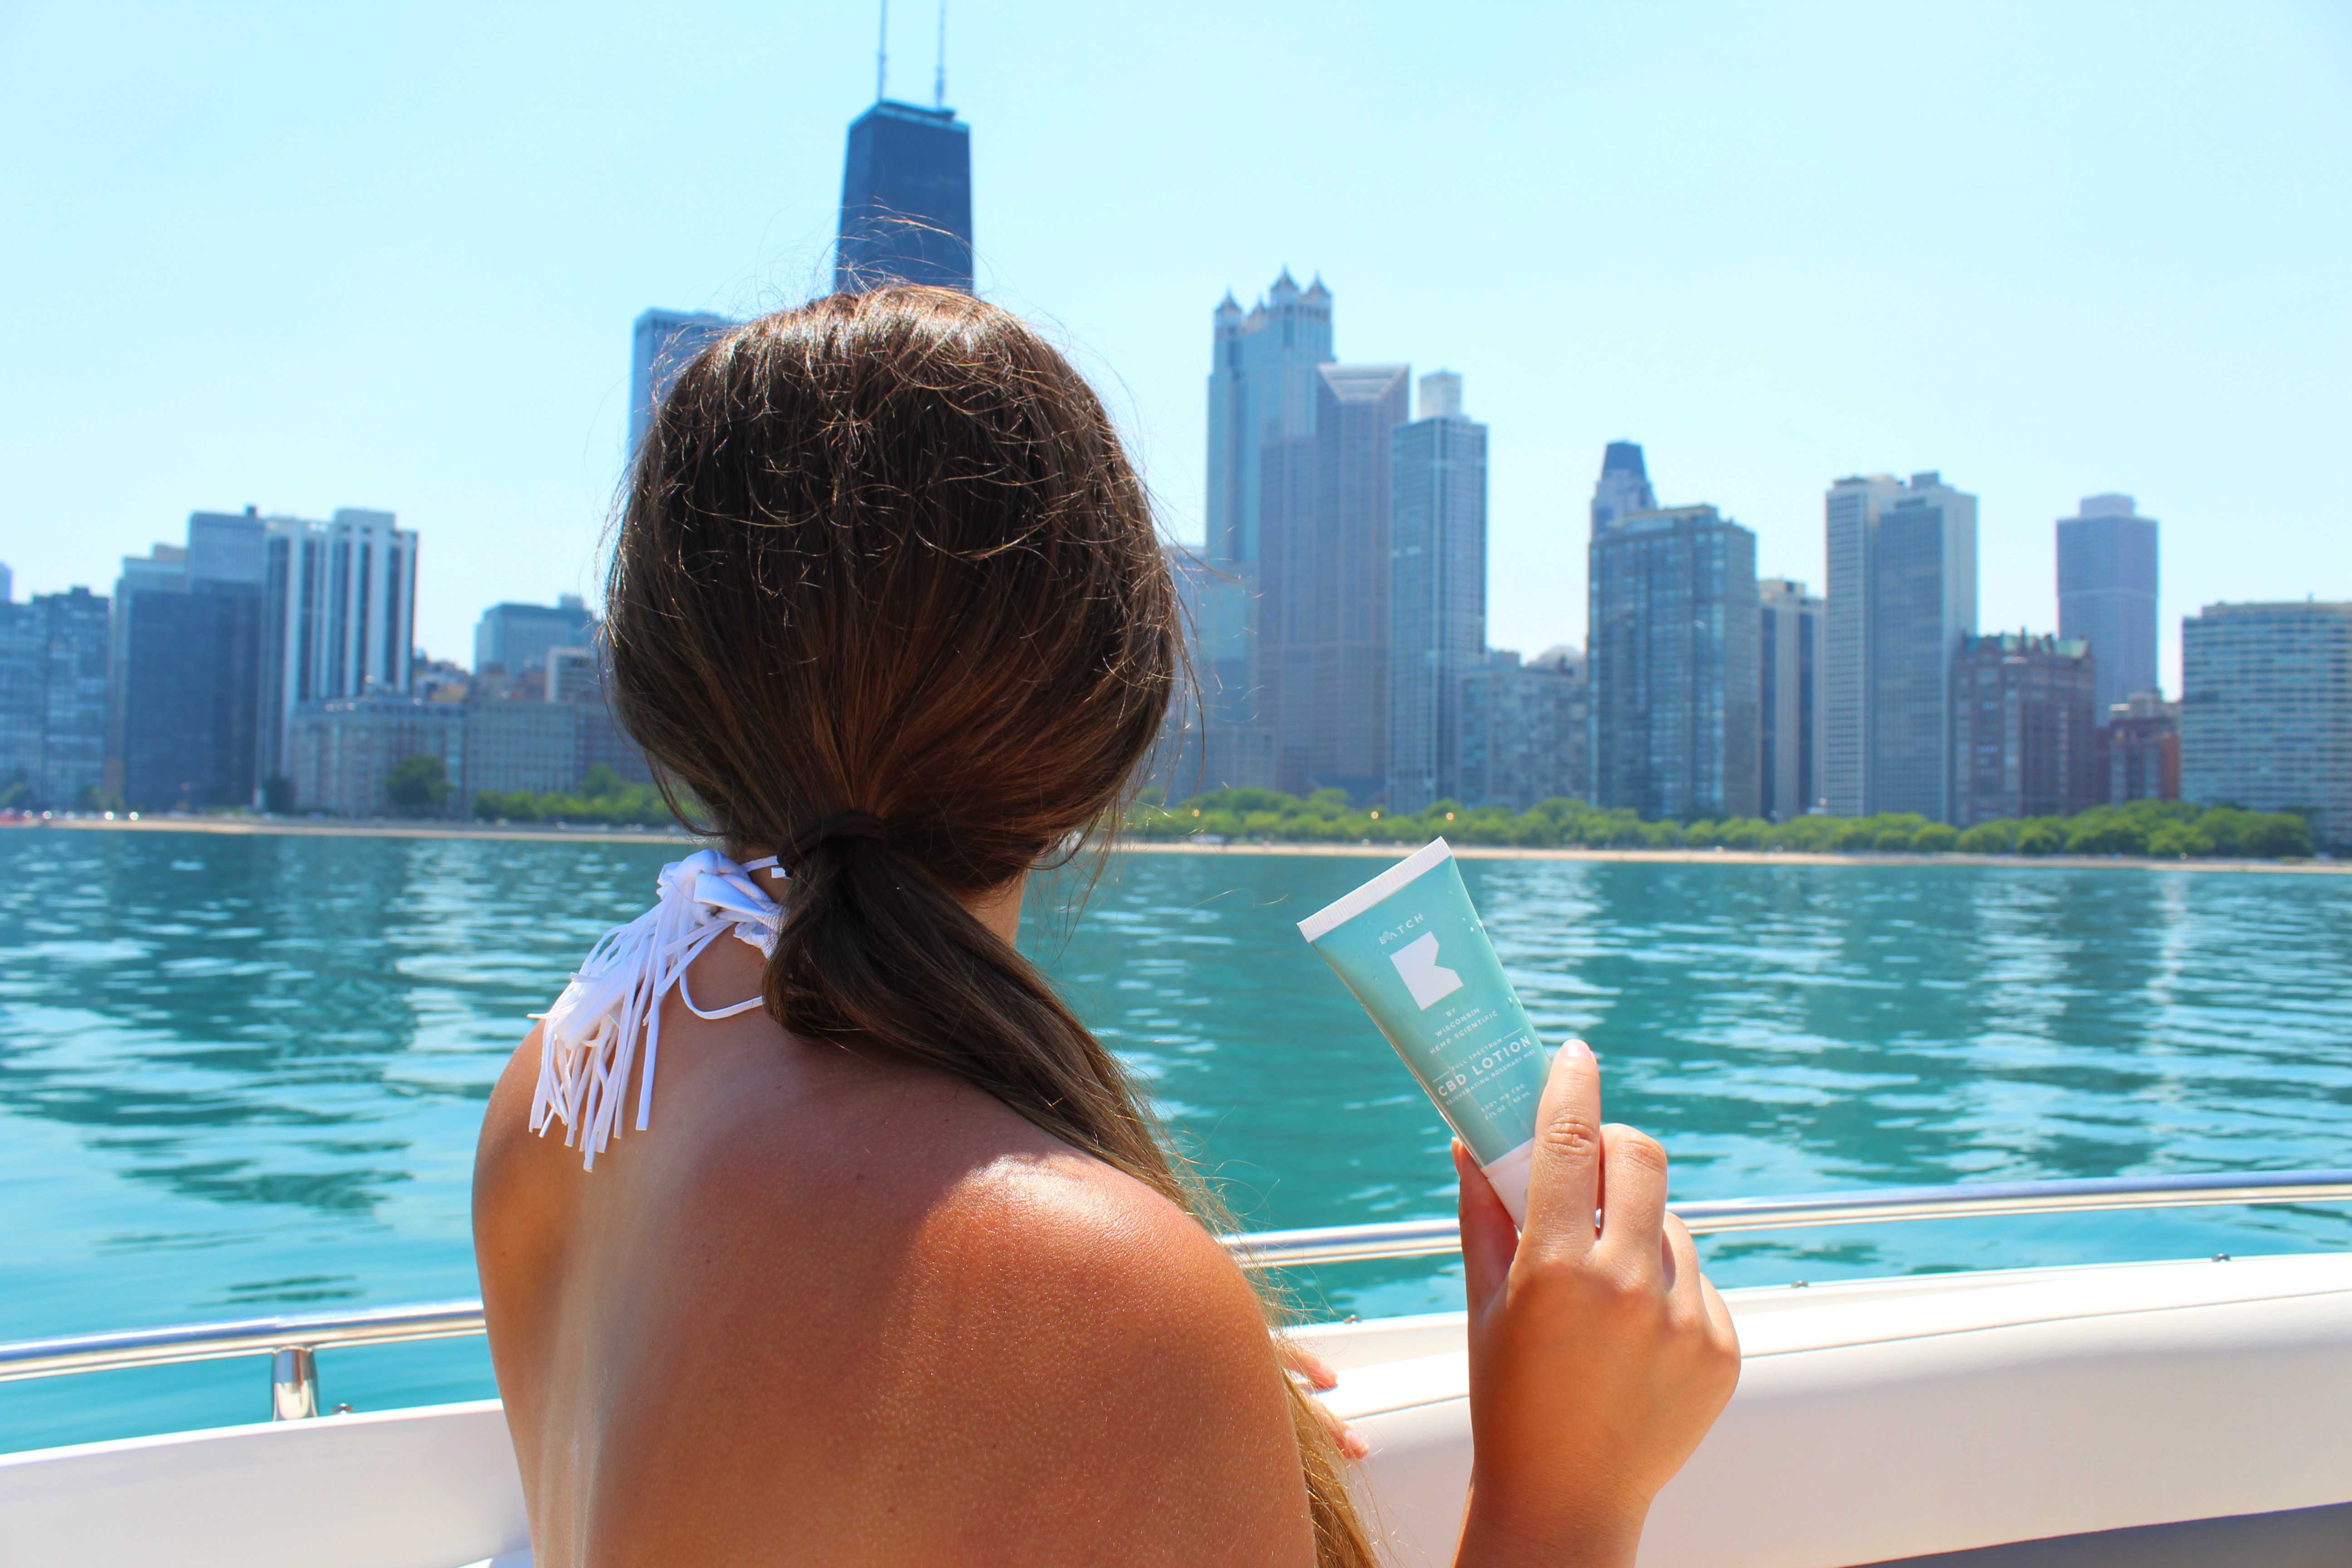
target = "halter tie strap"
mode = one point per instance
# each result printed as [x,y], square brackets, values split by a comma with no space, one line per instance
[588,1040]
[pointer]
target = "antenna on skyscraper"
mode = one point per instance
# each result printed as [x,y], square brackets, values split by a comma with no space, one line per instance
[882,56]
[940,80]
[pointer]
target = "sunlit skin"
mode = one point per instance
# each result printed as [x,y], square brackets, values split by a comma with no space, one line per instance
[834,1311]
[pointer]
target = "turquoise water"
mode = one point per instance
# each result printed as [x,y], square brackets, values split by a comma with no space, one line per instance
[241,1074]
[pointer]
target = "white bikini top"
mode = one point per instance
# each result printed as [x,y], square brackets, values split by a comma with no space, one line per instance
[588,1039]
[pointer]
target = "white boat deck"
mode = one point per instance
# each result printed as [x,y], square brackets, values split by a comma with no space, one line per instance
[1875,1422]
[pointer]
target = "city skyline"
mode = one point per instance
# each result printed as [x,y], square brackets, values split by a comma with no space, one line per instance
[2014,349]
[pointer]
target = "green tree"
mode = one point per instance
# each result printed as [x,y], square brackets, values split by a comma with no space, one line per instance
[417,786]
[277,796]
[2180,841]
[2277,835]
[2040,837]
[1995,837]
[1936,838]
[2113,834]
[603,781]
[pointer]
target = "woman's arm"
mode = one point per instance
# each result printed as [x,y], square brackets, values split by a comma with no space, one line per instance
[1600,1355]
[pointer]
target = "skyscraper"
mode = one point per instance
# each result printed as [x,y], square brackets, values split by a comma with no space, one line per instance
[192,676]
[2022,727]
[1675,629]
[53,659]
[1624,488]
[1523,730]
[906,200]
[1437,586]
[1789,722]
[2266,711]
[517,637]
[663,343]
[1323,639]
[1263,382]
[1902,593]
[73,696]
[331,612]
[2107,594]
[1850,511]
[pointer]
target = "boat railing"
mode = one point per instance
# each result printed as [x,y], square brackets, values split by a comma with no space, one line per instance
[292,1341]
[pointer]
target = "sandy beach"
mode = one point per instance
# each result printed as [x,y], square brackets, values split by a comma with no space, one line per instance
[525,833]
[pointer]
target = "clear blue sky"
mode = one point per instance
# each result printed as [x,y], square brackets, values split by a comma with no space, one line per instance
[311,256]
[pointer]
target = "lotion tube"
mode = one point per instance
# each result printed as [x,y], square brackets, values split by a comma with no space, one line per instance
[1409,946]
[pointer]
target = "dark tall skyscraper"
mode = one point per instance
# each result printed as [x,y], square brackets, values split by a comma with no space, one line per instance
[2107,594]
[1437,583]
[1323,642]
[1675,626]
[1791,718]
[906,200]
[1624,488]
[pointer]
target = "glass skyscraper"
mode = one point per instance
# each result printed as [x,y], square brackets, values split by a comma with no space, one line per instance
[1323,572]
[1790,711]
[1263,384]
[1902,593]
[1624,488]
[2266,711]
[1674,654]
[1437,589]
[2107,594]
[906,200]
[663,343]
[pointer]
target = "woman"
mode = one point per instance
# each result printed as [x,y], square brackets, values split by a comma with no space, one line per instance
[902,1272]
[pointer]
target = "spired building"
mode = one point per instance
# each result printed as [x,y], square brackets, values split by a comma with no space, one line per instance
[1789,722]
[1675,635]
[2266,711]
[1902,593]
[906,189]
[1437,591]
[2022,728]
[1262,382]
[2107,594]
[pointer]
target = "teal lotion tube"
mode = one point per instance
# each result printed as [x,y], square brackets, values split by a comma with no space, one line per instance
[1409,946]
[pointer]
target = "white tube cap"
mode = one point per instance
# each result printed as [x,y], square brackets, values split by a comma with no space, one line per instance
[1508,1177]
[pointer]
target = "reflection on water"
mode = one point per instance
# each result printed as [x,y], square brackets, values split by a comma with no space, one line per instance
[243,1074]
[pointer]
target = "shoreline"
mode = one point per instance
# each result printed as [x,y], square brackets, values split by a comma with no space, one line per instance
[525,833]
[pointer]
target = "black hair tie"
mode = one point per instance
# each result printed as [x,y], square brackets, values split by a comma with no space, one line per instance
[841,825]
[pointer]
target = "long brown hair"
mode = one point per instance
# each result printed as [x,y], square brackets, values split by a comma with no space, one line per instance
[884,555]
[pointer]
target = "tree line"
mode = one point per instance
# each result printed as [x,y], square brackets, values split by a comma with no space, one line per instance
[2161,829]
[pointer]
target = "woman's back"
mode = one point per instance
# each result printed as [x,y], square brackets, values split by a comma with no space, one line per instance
[832,1311]
[856,1245]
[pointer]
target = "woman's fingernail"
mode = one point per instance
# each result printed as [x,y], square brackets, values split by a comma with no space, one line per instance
[1576,1048]
[1352,1444]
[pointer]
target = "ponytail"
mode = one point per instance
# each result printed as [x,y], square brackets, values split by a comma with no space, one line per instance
[885,550]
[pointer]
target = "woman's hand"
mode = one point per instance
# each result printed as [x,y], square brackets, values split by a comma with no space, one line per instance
[1600,1355]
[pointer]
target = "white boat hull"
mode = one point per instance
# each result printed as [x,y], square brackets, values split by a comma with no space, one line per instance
[1875,1422]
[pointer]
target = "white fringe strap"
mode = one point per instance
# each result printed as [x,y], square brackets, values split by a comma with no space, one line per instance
[588,1039]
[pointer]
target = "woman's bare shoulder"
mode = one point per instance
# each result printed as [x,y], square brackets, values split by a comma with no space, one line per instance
[1069,1361]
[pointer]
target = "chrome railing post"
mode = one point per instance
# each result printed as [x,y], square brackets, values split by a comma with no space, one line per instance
[293,1383]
